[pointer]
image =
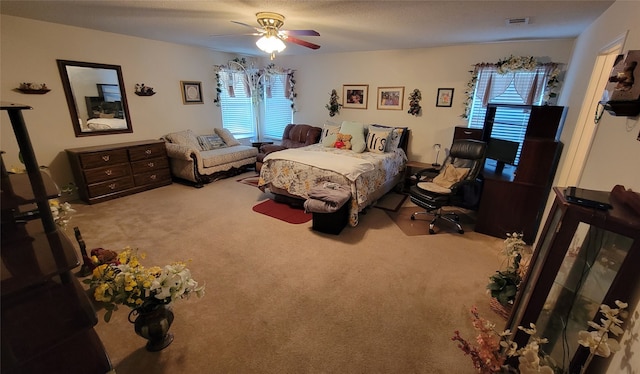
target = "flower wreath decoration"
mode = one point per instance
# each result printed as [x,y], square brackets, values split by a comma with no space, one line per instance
[508,65]
[414,102]
[333,106]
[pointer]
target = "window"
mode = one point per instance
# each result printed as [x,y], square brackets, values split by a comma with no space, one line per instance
[277,107]
[515,87]
[236,106]
[265,115]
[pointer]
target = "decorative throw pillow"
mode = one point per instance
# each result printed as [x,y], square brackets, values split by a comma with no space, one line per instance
[377,140]
[450,176]
[395,138]
[328,136]
[210,142]
[356,130]
[226,135]
[186,137]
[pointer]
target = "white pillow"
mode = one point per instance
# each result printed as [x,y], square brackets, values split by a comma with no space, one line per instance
[329,133]
[377,140]
[356,130]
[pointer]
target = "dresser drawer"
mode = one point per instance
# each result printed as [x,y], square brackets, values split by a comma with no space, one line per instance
[110,186]
[97,159]
[106,173]
[147,151]
[152,177]
[148,165]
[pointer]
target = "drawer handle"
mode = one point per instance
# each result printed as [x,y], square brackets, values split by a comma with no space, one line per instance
[152,177]
[148,151]
[151,164]
[467,132]
[108,172]
[106,158]
[113,186]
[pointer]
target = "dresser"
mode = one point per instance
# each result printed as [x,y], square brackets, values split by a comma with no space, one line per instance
[111,171]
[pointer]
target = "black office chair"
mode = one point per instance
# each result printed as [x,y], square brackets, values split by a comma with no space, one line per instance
[459,183]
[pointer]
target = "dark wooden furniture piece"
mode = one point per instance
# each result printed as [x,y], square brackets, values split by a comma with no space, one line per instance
[514,199]
[467,133]
[107,172]
[584,258]
[47,318]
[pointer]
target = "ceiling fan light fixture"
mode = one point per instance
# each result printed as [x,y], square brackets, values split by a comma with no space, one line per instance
[270,44]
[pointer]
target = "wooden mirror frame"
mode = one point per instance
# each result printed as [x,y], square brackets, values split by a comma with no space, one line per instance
[100,128]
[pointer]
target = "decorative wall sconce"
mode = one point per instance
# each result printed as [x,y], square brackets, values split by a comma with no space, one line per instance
[33,88]
[414,102]
[142,90]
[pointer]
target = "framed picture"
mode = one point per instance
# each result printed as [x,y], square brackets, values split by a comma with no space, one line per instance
[191,92]
[355,96]
[445,97]
[390,98]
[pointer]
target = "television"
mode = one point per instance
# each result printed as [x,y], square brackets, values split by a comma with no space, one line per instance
[503,151]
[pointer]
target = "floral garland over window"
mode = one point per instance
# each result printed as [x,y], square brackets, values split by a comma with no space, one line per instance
[509,65]
[256,78]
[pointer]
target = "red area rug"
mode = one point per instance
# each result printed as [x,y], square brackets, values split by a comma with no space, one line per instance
[283,212]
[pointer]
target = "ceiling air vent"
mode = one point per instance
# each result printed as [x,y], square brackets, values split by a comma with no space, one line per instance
[517,21]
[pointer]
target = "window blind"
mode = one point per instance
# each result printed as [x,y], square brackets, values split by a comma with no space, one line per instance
[509,123]
[237,111]
[277,109]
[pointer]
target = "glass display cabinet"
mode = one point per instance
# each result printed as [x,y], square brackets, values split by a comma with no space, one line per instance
[584,258]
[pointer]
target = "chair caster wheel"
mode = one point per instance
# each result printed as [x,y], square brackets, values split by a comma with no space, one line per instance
[460,231]
[431,232]
[413,218]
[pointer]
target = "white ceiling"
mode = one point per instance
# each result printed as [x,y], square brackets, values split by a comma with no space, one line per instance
[344,26]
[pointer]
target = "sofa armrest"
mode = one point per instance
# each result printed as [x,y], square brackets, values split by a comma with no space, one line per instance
[181,152]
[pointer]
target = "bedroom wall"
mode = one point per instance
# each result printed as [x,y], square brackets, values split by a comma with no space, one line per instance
[425,69]
[29,50]
[615,141]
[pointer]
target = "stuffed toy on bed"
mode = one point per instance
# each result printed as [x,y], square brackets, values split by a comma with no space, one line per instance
[343,141]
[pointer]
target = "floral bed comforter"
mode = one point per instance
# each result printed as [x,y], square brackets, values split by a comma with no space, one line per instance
[375,171]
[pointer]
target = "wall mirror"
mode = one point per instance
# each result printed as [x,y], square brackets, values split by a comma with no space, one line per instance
[96,98]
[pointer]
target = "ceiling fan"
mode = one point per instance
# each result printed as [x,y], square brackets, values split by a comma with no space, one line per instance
[272,37]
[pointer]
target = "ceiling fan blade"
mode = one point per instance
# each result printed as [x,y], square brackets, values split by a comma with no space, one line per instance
[301,32]
[249,26]
[224,35]
[302,42]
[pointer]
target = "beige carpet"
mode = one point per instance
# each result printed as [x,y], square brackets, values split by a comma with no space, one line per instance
[282,298]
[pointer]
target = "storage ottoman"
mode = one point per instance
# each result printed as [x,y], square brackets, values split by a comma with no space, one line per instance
[331,223]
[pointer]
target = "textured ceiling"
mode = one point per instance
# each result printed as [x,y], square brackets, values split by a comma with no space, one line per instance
[344,26]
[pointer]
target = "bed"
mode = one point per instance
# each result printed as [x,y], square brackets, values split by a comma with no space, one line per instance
[97,124]
[292,173]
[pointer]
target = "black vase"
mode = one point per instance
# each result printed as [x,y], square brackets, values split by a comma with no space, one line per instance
[152,322]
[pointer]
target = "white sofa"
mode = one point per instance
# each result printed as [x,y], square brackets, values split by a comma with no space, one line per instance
[205,158]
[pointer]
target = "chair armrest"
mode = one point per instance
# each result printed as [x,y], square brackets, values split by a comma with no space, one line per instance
[429,173]
[268,148]
[181,152]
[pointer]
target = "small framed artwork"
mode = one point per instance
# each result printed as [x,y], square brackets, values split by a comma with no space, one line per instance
[445,97]
[191,92]
[355,96]
[390,98]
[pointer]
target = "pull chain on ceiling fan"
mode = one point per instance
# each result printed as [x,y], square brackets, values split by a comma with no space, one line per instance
[272,38]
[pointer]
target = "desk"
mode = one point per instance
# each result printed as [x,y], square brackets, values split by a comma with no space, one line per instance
[258,144]
[417,165]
